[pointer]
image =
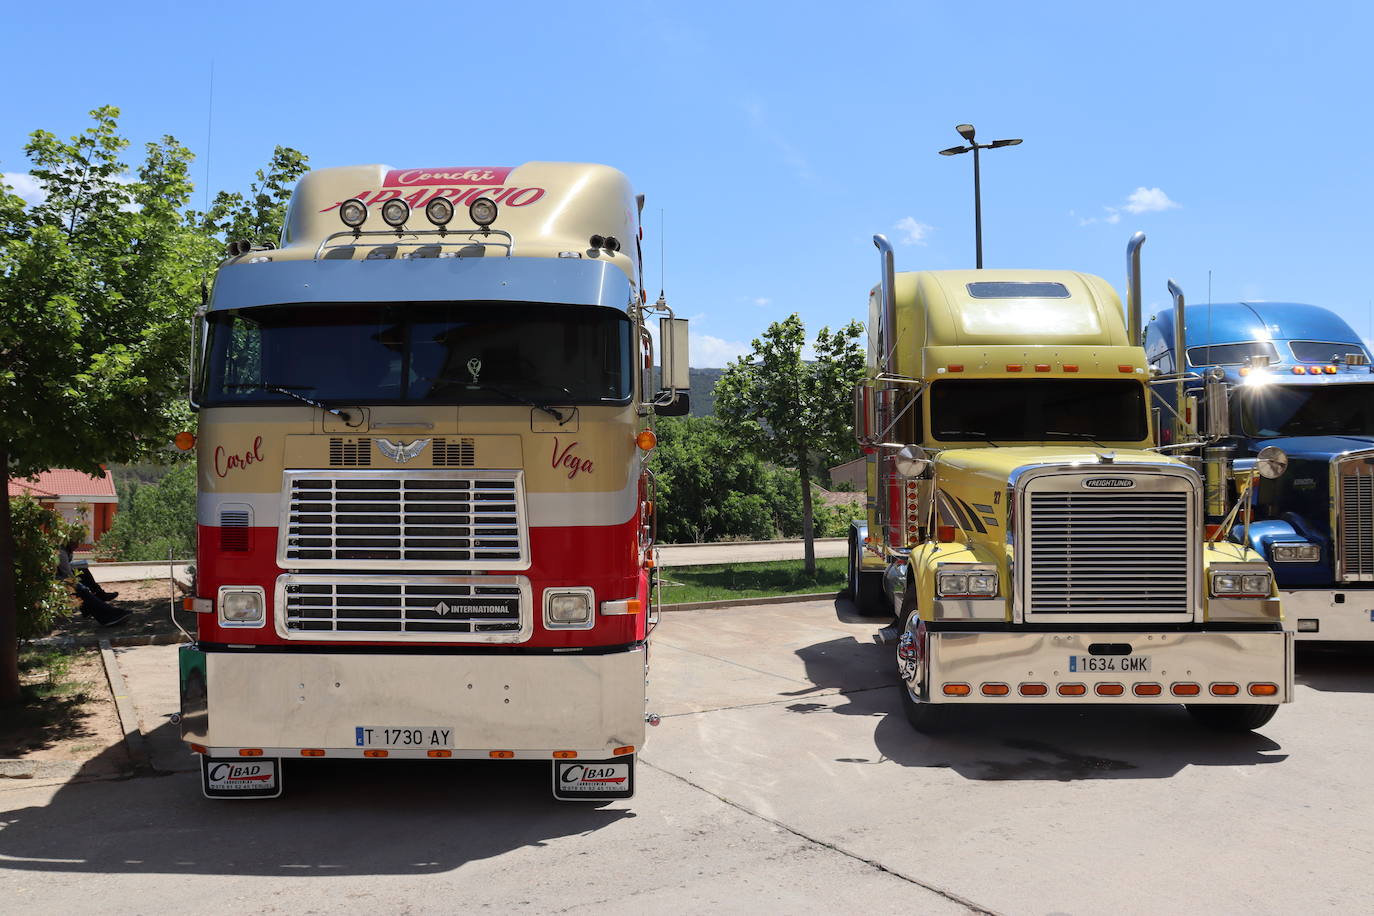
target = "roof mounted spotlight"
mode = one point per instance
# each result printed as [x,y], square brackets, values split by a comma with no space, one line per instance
[439,211]
[395,212]
[239,247]
[611,244]
[483,211]
[353,212]
[596,241]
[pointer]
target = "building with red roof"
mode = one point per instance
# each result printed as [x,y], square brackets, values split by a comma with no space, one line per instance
[77,497]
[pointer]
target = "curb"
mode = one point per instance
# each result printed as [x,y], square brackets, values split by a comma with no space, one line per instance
[124,706]
[753,543]
[744,602]
[92,642]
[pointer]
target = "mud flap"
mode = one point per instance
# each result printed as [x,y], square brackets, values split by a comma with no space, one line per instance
[240,777]
[594,780]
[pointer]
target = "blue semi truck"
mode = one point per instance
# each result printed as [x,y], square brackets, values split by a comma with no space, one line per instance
[1296,381]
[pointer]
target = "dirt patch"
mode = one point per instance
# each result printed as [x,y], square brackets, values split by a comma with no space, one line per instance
[148,602]
[73,722]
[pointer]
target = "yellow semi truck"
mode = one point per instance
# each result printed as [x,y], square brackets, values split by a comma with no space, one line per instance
[1030,540]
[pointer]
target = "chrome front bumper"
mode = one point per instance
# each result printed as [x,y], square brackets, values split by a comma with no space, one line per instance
[1349,618]
[1054,660]
[532,705]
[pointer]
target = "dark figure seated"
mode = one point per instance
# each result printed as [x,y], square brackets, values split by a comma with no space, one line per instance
[95,601]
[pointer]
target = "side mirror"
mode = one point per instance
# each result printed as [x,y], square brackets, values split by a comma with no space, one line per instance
[1217,398]
[672,339]
[911,461]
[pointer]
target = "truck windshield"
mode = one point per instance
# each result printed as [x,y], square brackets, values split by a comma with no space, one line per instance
[1026,410]
[442,353]
[1307,410]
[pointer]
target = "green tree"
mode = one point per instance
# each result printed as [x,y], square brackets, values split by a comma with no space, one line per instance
[156,518]
[97,285]
[709,488]
[258,217]
[792,411]
[41,597]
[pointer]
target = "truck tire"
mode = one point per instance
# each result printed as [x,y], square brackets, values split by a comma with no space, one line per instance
[865,588]
[1240,718]
[926,718]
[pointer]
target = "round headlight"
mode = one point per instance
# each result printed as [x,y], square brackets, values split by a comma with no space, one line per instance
[395,212]
[439,211]
[1271,462]
[483,211]
[353,212]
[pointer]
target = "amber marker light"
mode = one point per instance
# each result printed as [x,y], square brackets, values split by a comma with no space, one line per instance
[1148,690]
[185,441]
[995,690]
[1299,370]
[956,690]
[1225,690]
[1186,690]
[564,755]
[501,755]
[200,749]
[1072,690]
[1014,367]
[439,755]
[1110,690]
[622,751]
[250,752]
[1124,368]
[1256,690]
[955,367]
[312,752]
[1034,690]
[376,753]
[1070,367]
[646,440]
[1042,367]
[1245,370]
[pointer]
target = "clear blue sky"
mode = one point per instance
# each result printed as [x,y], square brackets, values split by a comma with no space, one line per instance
[779,138]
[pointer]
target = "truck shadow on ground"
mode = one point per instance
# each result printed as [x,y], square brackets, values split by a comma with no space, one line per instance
[335,818]
[1035,742]
[1344,667]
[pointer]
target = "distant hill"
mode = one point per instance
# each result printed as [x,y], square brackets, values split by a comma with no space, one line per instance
[703,390]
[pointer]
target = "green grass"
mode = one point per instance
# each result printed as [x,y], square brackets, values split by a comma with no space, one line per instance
[683,584]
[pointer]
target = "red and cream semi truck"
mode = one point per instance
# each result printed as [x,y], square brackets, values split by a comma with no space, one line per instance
[425,512]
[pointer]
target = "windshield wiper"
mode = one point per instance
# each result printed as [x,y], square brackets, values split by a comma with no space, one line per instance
[487,386]
[282,389]
[1091,437]
[967,434]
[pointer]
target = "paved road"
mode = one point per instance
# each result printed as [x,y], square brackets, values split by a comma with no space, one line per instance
[783,778]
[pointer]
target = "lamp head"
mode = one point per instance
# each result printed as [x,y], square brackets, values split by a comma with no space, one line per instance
[965,131]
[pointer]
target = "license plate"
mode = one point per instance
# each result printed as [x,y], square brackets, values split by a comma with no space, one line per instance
[417,736]
[594,780]
[240,777]
[1109,664]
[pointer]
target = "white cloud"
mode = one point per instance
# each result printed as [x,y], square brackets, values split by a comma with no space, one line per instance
[913,233]
[709,352]
[763,301]
[1149,200]
[1113,216]
[26,186]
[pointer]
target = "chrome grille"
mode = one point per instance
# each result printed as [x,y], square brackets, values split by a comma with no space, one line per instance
[1355,520]
[1109,553]
[455,453]
[470,609]
[404,520]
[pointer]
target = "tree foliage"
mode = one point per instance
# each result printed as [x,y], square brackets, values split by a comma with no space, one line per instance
[40,596]
[792,411]
[257,217]
[156,518]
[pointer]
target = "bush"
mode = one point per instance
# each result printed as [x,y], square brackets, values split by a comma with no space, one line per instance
[155,519]
[40,597]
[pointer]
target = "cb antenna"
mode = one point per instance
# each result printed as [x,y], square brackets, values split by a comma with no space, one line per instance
[209,135]
[662,262]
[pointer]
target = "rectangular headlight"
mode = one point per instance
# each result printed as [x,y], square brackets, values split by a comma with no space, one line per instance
[1294,553]
[1241,584]
[568,608]
[241,606]
[965,584]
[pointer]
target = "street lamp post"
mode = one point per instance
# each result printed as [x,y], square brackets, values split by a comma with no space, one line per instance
[966,131]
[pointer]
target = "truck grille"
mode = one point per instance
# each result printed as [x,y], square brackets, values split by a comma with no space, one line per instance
[431,520]
[1355,527]
[1109,553]
[470,609]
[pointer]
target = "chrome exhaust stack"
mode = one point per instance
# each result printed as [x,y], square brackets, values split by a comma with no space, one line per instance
[1133,317]
[889,294]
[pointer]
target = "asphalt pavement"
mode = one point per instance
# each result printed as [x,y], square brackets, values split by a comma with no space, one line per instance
[784,777]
